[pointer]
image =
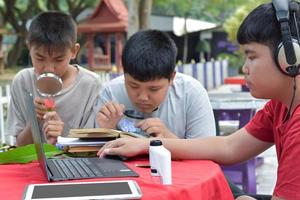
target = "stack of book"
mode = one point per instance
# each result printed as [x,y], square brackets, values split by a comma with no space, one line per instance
[90,140]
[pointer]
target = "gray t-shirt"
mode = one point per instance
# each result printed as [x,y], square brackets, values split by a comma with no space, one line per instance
[74,104]
[186,110]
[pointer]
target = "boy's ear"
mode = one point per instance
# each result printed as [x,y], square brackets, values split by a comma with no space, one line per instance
[75,50]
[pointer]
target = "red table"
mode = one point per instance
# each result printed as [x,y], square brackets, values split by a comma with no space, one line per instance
[192,179]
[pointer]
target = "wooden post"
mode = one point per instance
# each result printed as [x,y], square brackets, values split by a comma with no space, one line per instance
[118,52]
[90,50]
[107,48]
[1,56]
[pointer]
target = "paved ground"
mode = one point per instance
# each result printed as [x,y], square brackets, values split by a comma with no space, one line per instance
[266,173]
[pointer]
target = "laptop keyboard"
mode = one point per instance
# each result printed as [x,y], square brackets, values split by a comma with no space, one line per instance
[76,168]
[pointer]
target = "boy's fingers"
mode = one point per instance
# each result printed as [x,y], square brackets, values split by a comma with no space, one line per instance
[52,140]
[110,151]
[111,108]
[102,117]
[120,109]
[53,133]
[140,123]
[51,115]
[38,100]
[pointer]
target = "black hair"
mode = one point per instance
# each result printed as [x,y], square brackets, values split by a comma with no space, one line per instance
[149,55]
[261,26]
[55,30]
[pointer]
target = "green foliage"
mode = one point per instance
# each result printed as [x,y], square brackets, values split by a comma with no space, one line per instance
[26,154]
[42,5]
[214,10]
[203,46]
[15,15]
[232,24]
[234,59]
[174,7]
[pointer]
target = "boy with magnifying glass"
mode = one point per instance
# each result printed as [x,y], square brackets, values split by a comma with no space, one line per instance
[52,45]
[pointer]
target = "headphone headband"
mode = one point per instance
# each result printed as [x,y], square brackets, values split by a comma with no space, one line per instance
[290,46]
[282,10]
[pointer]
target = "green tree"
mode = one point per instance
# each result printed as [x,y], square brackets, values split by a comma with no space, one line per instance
[233,22]
[231,26]
[17,13]
[214,10]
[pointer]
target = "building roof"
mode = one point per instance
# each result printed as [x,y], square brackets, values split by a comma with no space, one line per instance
[176,24]
[109,16]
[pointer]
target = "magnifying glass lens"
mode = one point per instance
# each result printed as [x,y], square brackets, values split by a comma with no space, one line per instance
[49,84]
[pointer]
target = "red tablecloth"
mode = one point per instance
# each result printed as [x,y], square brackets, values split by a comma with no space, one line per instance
[192,179]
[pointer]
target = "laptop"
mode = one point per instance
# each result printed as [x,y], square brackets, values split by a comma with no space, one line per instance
[72,168]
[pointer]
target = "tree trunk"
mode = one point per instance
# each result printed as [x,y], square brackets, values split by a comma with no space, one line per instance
[145,13]
[185,43]
[133,17]
[16,52]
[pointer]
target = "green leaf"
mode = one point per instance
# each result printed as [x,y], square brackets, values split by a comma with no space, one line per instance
[27,154]
[42,5]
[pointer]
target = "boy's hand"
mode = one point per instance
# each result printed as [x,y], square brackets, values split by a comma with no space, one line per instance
[53,126]
[127,147]
[110,114]
[155,127]
[42,106]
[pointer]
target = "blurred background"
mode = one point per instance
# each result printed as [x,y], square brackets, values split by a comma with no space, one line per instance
[203,30]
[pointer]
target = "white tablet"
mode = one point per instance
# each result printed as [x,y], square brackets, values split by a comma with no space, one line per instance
[123,189]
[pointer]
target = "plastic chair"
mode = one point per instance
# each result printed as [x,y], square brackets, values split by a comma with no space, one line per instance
[242,173]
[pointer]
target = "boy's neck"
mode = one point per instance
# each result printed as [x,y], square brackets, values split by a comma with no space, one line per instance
[70,76]
[296,99]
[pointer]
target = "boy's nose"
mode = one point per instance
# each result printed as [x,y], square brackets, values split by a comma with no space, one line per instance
[245,69]
[143,96]
[48,67]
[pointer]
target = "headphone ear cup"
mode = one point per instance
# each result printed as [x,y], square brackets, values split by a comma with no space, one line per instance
[281,58]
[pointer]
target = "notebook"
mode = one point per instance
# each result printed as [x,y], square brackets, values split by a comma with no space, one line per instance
[72,168]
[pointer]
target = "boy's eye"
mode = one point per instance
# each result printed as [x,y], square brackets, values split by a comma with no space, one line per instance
[133,86]
[154,89]
[40,59]
[251,57]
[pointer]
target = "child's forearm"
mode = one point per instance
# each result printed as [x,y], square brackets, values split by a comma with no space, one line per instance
[24,137]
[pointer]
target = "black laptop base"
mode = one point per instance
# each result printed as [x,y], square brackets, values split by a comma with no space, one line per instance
[82,168]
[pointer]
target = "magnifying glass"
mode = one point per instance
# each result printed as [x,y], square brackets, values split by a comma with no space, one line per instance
[128,122]
[49,84]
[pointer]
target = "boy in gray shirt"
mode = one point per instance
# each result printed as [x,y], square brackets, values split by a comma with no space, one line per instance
[52,44]
[174,105]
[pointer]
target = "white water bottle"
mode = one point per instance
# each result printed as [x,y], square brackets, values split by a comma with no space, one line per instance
[160,162]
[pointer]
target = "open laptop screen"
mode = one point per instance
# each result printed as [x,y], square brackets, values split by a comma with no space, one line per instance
[37,134]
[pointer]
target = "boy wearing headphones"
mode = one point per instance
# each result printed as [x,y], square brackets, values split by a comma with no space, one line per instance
[269,36]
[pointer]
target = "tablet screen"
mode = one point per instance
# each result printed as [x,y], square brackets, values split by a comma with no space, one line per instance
[80,190]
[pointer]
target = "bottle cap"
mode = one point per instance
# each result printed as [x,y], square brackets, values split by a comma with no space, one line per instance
[155,143]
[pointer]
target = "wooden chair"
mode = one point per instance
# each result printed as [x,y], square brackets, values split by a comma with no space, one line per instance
[243,173]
